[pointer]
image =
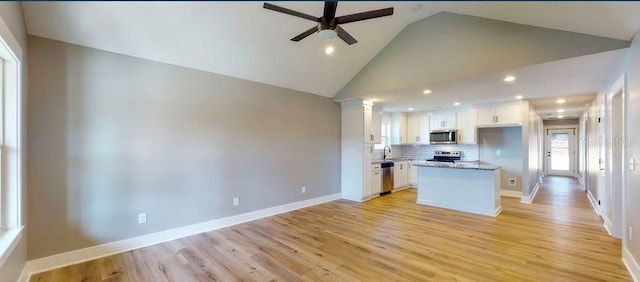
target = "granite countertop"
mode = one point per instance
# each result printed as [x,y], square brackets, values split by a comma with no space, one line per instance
[469,165]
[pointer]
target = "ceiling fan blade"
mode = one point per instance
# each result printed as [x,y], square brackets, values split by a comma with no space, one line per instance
[345,36]
[330,10]
[305,34]
[289,12]
[364,16]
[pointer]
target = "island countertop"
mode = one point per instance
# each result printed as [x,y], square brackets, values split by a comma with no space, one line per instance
[457,165]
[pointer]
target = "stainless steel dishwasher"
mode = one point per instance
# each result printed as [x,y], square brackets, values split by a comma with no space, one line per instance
[387,177]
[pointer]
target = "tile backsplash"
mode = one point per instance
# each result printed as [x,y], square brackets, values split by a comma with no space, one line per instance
[423,152]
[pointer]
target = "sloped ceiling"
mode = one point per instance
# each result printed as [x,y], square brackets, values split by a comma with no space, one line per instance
[241,39]
[447,48]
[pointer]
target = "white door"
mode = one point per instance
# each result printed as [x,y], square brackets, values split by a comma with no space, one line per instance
[561,152]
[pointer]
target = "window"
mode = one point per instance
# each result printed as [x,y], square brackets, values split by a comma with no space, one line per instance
[385,133]
[10,143]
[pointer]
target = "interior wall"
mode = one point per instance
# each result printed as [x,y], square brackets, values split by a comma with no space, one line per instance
[11,14]
[112,136]
[417,56]
[503,146]
[535,150]
[632,193]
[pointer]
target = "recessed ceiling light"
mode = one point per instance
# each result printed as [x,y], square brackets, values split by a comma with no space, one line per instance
[374,100]
[509,78]
[560,111]
[426,91]
[519,97]
[560,116]
[456,104]
[329,50]
[410,109]
[560,101]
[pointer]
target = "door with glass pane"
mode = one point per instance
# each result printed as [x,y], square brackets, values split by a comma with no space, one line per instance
[561,152]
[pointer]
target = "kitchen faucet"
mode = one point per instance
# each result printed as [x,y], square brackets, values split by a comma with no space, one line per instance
[384,156]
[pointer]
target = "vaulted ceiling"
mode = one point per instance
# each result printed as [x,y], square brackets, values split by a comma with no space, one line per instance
[246,41]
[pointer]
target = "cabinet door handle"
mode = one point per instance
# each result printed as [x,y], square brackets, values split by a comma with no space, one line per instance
[497,118]
[376,173]
[371,137]
[459,137]
[400,166]
[417,138]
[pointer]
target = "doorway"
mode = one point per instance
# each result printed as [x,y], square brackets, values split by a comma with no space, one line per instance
[561,152]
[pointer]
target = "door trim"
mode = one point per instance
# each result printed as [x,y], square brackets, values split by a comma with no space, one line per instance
[545,142]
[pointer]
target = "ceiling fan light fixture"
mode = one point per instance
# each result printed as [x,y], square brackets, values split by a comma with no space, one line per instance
[329,50]
[327,34]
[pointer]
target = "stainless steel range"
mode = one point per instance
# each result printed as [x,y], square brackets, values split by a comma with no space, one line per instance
[445,157]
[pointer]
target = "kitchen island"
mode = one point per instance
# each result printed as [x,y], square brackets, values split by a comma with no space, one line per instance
[468,187]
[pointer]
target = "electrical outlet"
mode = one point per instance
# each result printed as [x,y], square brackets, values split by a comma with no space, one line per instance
[304,189]
[236,201]
[630,233]
[512,181]
[142,218]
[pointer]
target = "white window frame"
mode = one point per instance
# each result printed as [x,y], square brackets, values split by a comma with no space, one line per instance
[11,221]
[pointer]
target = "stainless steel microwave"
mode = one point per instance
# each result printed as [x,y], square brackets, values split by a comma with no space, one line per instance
[449,136]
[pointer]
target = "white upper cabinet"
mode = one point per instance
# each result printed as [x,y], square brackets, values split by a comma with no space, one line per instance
[418,128]
[376,125]
[443,120]
[467,128]
[368,135]
[499,115]
[398,128]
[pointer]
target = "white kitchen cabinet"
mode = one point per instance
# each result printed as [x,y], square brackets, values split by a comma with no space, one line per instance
[418,128]
[398,128]
[368,135]
[466,127]
[412,175]
[356,151]
[499,115]
[376,125]
[441,120]
[376,182]
[400,174]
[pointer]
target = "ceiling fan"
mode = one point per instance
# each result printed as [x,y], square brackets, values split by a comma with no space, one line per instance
[328,26]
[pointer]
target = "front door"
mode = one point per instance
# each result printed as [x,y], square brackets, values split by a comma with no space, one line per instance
[561,152]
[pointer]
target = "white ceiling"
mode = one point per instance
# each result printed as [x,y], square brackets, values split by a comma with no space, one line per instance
[573,106]
[246,41]
[583,75]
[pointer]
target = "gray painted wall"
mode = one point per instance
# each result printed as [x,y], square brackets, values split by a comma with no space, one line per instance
[534,151]
[11,14]
[509,141]
[446,47]
[553,122]
[112,136]
[633,151]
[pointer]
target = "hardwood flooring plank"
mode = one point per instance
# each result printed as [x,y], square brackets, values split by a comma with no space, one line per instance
[558,237]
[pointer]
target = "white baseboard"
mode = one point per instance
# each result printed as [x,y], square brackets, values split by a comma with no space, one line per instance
[493,213]
[580,180]
[511,193]
[592,200]
[631,264]
[529,199]
[107,249]
[607,225]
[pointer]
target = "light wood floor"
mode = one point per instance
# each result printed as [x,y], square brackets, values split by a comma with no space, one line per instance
[557,238]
